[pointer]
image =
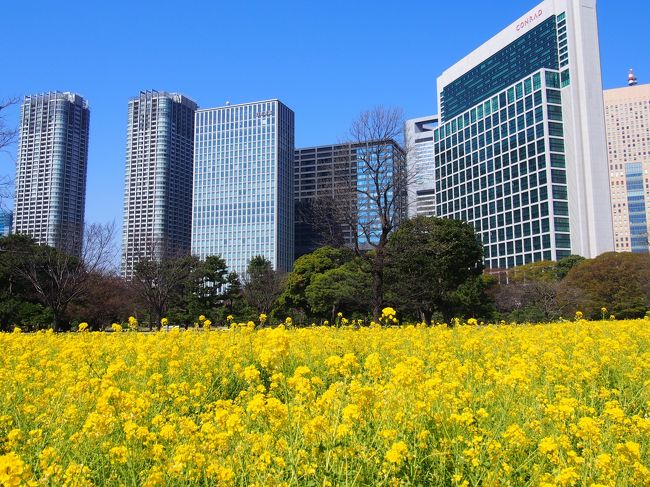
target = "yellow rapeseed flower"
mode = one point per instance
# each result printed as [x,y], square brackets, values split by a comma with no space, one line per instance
[289,406]
[397,453]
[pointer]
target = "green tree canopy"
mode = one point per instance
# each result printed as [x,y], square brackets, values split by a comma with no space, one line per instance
[543,271]
[429,259]
[305,269]
[203,293]
[262,285]
[564,265]
[345,288]
[619,282]
[19,304]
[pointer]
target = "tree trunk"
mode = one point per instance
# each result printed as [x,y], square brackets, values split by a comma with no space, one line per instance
[333,315]
[57,321]
[377,284]
[427,314]
[57,315]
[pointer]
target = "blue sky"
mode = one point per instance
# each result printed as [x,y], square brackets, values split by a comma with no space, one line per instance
[328,61]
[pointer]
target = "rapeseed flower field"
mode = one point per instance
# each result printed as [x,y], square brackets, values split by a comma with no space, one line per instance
[555,404]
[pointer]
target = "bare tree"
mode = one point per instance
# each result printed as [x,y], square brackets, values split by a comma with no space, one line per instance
[58,277]
[322,220]
[8,136]
[368,192]
[163,277]
[535,299]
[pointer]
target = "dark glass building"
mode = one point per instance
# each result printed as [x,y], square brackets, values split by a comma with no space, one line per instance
[336,177]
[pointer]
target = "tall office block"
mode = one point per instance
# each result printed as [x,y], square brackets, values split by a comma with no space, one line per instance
[421,165]
[158,181]
[51,170]
[6,220]
[243,184]
[336,173]
[520,151]
[319,176]
[627,115]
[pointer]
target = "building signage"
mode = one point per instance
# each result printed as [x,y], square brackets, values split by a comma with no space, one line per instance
[265,114]
[532,18]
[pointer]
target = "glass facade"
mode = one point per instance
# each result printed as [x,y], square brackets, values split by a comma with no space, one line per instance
[380,168]
[531,52]
[51,170]
[636,208]
[6,219]
[158,179]
[318,171]
[243,184]
[345,172]
[501,166]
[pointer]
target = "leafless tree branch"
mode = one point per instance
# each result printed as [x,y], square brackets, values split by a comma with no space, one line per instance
[7,135]
[368,193]
[59,277]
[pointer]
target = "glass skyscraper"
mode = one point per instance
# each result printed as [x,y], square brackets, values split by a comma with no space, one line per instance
[158,180]
[51,170]
[346,173]
[381,174]
[6,219]
[318,172]
[520,151]
[243,184]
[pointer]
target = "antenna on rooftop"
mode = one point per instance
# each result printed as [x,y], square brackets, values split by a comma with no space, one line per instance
[631,78]
[227,103]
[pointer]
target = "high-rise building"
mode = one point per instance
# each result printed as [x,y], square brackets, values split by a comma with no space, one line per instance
[520,151]
[421,165]
[158,181]
[51,170]
[6,219]
[322,175]
[343,175]
[627,115]
[243,184]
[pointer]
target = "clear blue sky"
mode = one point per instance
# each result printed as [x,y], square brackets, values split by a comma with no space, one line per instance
[326,60]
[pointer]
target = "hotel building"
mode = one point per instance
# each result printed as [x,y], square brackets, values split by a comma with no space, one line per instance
[51,170]
[158,180]
[627,115]
[520,150]
[243,184]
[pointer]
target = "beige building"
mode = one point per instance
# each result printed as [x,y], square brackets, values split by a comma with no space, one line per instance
[627,116]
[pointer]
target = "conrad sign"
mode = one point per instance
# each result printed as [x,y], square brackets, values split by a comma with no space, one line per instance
[530,20]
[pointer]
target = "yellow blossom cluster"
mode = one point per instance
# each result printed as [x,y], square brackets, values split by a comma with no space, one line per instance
[564,404]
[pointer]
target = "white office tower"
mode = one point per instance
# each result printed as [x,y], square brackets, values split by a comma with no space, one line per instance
[243,184]
[421,165]
[521,150]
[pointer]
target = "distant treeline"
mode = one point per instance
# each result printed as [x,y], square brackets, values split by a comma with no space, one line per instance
[430,270]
